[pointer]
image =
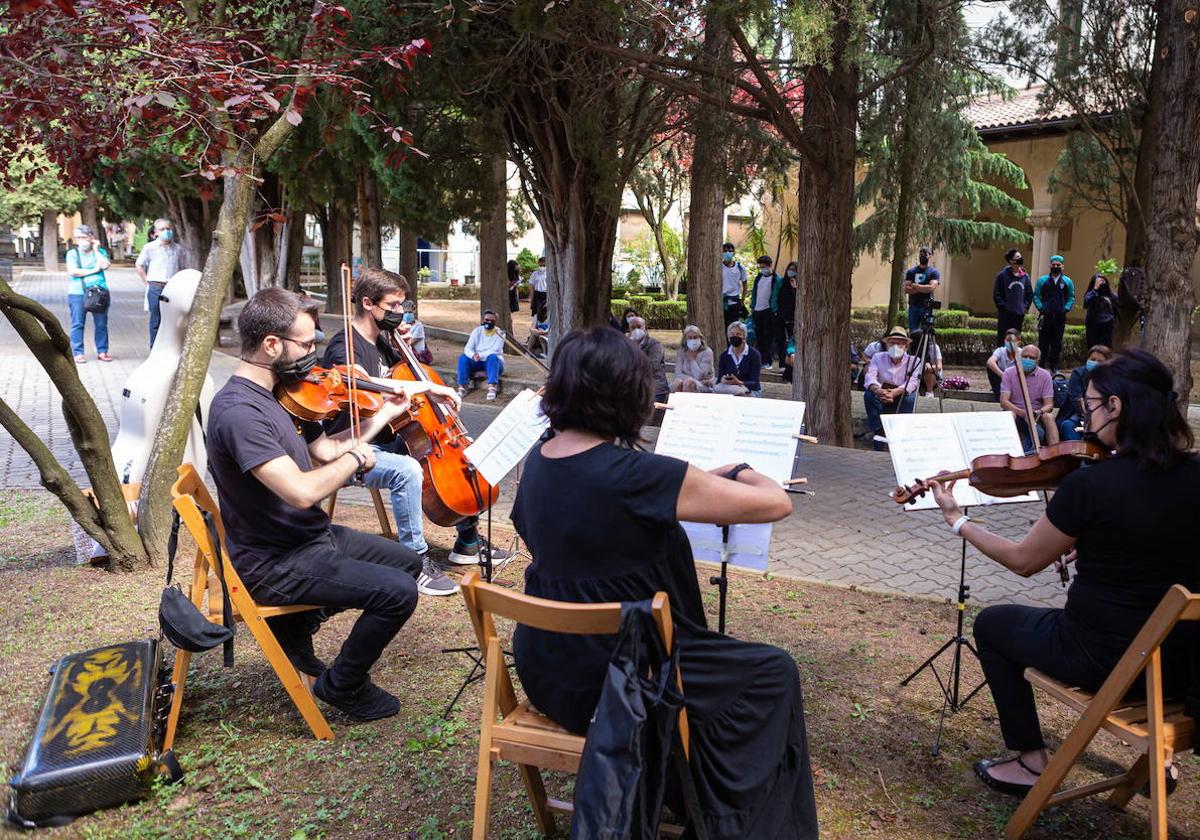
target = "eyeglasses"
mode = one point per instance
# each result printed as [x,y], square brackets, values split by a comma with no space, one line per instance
[307,346]
[1084,401]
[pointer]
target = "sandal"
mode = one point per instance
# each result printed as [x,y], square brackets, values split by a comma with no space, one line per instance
[1012,788]
[104,357]
[1172,782]
[81,360]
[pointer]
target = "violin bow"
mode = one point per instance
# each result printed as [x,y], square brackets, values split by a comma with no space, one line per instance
[352,378]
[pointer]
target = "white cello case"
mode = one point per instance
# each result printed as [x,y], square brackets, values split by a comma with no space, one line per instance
[144,397]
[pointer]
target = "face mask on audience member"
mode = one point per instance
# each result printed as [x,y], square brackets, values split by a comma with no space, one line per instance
[85,245]
[637,333]
[489,325]
[896,351]
[792,273]
[727,256]
[693,344]
[1028,365]
[166,235]
[409,317]
[1091,365]
[735,341]
[765,270]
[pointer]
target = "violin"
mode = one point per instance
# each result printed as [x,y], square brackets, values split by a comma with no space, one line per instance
[326,392]
[1013,475]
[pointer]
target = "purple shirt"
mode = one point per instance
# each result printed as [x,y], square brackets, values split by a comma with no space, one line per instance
[1040,384]
[883,371]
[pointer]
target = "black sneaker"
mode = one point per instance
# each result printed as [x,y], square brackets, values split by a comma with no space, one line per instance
[464,555]
[367,702]
[297,645]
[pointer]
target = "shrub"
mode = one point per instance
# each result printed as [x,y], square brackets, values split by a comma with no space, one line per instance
[438,291]
[618,306]
[961,306]
[950,319]
[526,263]
[876,314]
[981,324]
[665,314]
[640,302]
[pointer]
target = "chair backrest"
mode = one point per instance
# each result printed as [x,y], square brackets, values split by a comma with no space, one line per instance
[485,600]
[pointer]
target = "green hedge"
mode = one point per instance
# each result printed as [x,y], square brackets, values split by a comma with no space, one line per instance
[439,291]
[659,314]
[970,347]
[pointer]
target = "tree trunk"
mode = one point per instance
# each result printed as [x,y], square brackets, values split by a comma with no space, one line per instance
[706,213]
[154,504]
[338,235]
[665,258]
[493,248]
[106,520]
[903,217]
[293,250]
[370,231]
[50,240]
[87,213]
[1173,125]
[579,257]
[408,263]
[826,225]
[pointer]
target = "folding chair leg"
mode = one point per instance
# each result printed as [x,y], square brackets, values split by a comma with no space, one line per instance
[1047,784]
[1134,779]
[532,777]
[385,526]
[292,679]
[178,676]
[1157,752]
[488,755]
[332,504]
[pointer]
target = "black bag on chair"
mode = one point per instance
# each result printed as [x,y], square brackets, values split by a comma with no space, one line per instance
[182,624]
[623,771]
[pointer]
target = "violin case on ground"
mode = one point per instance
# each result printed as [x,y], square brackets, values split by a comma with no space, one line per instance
[98,738]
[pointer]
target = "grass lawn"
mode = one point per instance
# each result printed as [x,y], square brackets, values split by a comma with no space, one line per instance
[252,769]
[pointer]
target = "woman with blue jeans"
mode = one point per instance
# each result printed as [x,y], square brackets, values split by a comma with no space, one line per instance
[86,264]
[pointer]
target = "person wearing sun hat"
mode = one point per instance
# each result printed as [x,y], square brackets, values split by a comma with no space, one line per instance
[1054,296]
[890,385]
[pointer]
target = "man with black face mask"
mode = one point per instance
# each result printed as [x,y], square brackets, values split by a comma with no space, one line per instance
[1054,296]
[271,472]
[1012,293]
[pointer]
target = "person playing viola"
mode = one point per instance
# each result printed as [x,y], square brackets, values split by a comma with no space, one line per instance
[280,541]
[1124,522]
[379,298]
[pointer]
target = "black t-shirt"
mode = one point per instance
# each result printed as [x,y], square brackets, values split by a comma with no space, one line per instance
[246,428]
[601,526]
[921,275]
[376,359]
[1133,529]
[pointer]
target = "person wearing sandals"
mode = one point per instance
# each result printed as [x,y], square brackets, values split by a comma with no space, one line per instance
[86,263]
[1123,522]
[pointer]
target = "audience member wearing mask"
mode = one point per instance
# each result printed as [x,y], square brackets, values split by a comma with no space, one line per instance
[764,300]
[86,263]
[412,332]
[484,352]
[1013,293]
[1100,311]
[539,333]
[890,385]
[1070,415]
[739,370]
[1041,396]
[785,312]
[626,316]
[920,281]
[156,264]
[1054,296]
[654,352]
[1002,358]
[733,284]
[694,371]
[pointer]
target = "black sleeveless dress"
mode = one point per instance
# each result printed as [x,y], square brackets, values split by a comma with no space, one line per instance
[601,526]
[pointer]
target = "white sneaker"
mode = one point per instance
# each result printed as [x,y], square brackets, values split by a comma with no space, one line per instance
[491,394]
[462,392]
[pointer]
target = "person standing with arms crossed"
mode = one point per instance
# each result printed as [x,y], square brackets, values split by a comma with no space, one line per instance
[1012,293]
[158,262]
[1054,296]
[920,282]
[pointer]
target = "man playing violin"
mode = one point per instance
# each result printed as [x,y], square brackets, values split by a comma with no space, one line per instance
[280,541]
[1124,522]
[378,309]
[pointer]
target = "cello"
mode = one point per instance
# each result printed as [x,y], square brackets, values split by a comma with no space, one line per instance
[453,490]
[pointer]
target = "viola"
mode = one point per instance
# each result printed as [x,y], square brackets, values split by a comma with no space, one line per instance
[326,392]
[452,490]
[1014,475]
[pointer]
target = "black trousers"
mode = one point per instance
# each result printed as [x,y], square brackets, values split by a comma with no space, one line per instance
[1006,321]
[345,569]
[1099,334]
[764,333]
[782,330]
[536,301]
[1050,337]
[513,305]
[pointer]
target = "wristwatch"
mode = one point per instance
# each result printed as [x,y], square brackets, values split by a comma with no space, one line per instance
[733,473]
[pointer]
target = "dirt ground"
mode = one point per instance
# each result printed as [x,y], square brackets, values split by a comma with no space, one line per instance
[252,769]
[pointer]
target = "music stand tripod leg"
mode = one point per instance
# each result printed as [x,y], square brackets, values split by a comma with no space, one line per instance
[721,581]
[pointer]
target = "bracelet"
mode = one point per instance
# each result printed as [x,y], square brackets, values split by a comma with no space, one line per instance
[959,523]
[360,459]
[733,473]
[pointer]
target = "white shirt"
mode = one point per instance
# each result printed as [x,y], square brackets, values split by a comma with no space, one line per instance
[416,331]
[537,280]
[160,261]
[732,278]
[762,300]
[484,345]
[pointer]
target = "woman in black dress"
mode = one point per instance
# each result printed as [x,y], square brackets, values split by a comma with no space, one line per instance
[1127,522]
[1100,311]
[602,523]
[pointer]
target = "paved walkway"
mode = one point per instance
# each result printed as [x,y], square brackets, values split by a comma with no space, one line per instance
[848,534]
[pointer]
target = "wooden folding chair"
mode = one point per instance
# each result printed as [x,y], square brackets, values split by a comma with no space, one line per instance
[523,734]
[385,525]
[1157,729]
[190,498]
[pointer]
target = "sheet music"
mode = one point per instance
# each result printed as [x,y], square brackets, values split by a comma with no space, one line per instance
[922,445]
[694,431]
[509,438]
[748,544]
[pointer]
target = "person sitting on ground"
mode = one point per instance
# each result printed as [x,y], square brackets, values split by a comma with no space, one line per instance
[412,332]
[739,370]
[629,312]
[1071,411]
[1041,397]
[890,384]
[694,363]
[602,523]
[931,378]
[654,352]
[539,332]
[1123,521]
[1002,358]
[484,352]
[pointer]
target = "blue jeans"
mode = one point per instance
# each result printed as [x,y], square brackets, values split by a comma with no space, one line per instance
[468,367]
[401,476]
[876,407]
[153,290]
[1066,429]
[99,322]
[915,316]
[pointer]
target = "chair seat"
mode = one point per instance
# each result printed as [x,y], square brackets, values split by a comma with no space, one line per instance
[214,604]
[526,734]
[1127,721]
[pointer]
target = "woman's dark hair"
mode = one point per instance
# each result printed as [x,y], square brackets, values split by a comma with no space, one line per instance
[629,310]
[543,312]
[514,272]
[1008,255]
[599,382]
[1107,290]
[1151,427]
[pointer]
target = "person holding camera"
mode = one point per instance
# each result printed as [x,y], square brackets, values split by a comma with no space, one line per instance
[86,263]
[920,282]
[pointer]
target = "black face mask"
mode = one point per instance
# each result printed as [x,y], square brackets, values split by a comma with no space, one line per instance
[290,371]
[923,259]
[1019,261]
[735,341]
[1088,435]
[1055,271]
[390,320]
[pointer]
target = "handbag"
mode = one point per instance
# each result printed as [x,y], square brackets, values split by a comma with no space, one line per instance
[632,737]
[181,622]
[96,299]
